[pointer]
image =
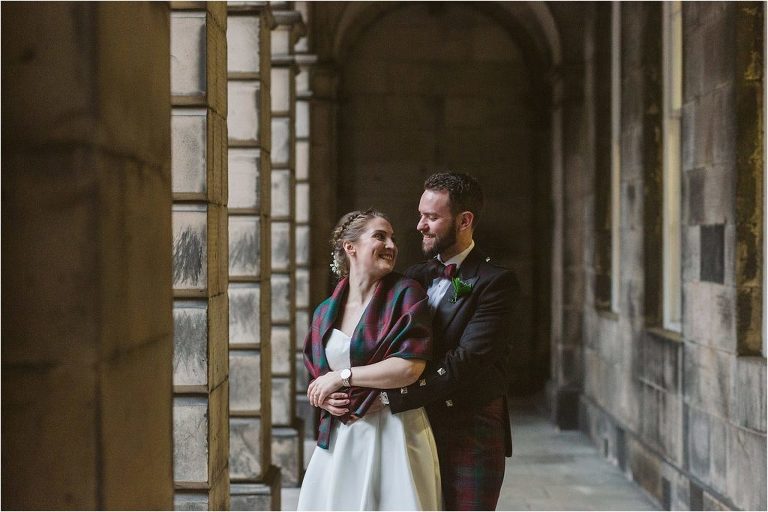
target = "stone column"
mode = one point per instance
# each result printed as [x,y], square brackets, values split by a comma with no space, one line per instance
[287,432]
[86,279]
[304,61]
[255,482]
[200,306]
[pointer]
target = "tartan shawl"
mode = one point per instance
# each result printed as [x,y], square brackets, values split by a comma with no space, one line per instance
[396,323]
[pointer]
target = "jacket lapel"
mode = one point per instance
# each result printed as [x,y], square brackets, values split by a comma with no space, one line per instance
[447,309]
[329,318]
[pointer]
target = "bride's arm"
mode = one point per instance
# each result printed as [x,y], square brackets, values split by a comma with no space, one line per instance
[394,372]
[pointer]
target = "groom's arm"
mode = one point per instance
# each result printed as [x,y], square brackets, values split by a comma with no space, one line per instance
[482,346]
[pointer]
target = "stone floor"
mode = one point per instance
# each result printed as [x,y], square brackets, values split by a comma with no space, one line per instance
[551,470]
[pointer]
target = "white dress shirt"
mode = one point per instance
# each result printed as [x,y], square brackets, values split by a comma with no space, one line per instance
[440,284]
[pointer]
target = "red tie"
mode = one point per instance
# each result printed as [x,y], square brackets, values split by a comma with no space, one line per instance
[437,269]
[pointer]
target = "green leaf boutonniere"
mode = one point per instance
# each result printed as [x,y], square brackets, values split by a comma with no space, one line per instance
[460,289]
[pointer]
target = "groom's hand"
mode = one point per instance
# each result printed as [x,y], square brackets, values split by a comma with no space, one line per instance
[336,404]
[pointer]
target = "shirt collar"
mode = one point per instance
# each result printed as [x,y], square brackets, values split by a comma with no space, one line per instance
[459,258]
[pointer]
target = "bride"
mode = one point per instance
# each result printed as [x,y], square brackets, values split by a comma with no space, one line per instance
[372,334]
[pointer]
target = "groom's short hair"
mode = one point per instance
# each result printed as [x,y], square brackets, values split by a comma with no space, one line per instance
[463,189]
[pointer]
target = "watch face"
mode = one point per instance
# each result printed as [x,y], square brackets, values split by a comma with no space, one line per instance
[346,373]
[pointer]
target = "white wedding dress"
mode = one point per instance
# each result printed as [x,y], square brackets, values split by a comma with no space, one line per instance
[382,461]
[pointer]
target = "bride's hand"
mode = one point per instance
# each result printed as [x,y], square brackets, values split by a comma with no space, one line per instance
[320,388]
[335,403]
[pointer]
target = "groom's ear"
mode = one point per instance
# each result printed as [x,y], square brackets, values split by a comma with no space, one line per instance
[465,220]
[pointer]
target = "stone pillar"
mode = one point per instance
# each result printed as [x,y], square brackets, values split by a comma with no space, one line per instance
[570,187]
[86,279]
[255,482]
[200,306]
[304,308]
[287,432]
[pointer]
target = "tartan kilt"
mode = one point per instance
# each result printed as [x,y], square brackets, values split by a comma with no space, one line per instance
[471,449]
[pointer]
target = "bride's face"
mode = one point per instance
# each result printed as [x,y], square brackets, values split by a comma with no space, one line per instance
[375,252]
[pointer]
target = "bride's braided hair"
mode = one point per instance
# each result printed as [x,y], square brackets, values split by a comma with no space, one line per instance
[349,229]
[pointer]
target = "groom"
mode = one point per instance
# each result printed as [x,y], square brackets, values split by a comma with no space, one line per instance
[464,386]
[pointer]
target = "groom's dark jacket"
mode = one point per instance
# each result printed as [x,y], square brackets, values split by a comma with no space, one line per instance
[471,345]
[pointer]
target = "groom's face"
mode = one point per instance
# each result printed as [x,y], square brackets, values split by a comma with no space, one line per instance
[436,222]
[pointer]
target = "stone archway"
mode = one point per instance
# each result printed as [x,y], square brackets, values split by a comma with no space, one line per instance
[421,87]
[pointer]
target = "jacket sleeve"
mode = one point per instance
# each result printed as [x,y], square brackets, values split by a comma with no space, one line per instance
[483,346]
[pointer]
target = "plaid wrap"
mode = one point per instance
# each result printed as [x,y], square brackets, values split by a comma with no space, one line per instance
[396,323]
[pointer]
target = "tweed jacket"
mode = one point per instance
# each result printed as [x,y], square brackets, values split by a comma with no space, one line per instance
[471,345]
[394,324]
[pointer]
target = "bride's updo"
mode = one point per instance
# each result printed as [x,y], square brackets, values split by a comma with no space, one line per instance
[350,228]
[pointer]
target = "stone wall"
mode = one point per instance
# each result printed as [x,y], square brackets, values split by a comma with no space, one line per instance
[86,281]
[684,413]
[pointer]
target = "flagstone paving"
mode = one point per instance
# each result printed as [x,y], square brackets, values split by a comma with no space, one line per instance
[551,470]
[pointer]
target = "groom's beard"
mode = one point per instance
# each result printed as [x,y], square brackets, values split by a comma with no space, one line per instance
[441,243]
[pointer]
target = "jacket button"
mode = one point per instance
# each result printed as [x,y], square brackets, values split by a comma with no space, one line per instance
[449,403]
[441,371]
[403,391]
[423,382]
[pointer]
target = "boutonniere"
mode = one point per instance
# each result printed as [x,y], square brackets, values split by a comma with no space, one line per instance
[460,289]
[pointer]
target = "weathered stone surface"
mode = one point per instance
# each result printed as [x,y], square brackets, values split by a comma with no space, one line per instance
[281,350]
[189,136]
[712,239]
[281,401]
[190,439]
[281,243]
[190,501]
[190,340]
[287,454]
[245,448]
[749,384]
[281,140]
[188,51]
[244,246]
[244,318]
[281,193]
[746,469]
[190,246]
[243,44]
[281,287]
[244,179]
[243,122]
[245,379]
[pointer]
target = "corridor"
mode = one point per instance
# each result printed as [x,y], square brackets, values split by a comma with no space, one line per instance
[550,470]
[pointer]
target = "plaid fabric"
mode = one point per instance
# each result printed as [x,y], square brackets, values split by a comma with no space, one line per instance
[395,324]
[470,447]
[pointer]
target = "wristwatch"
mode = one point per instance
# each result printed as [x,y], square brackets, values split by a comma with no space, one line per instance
[345,375]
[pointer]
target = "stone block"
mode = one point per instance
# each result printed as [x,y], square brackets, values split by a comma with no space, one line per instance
[698,443]
[245,448]
[190,501]
[245,381]
[281,141]
[244,246]
[243,44]
[302,288]
[281,246]
[244,314]
[302,245]
[189,137]
[302,119]
[281,298]
[244,179]
[190,247]
[243,122]
[281,193]
[287,454]
[188,53]
[302,159]
[282,401]
[259,496]
[749,393]
[746,469]
[190,341]
[281,350]
[190,440]
[707,379]
[302,202]
[691,247]
[302,329]
[709,314]
[280,87]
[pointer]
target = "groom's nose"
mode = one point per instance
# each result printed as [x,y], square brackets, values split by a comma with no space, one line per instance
[422,225]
